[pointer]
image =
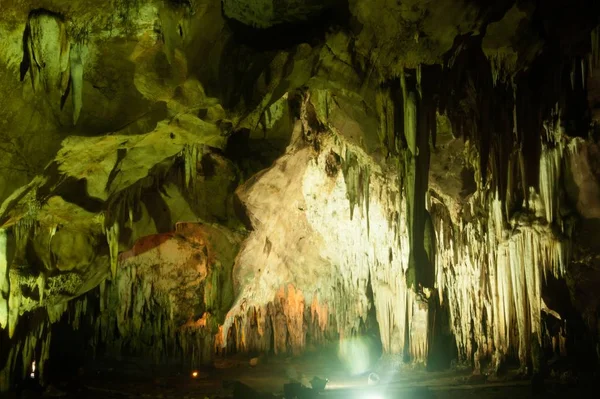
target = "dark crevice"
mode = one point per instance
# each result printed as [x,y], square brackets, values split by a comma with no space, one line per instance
[75,191]
[287,35]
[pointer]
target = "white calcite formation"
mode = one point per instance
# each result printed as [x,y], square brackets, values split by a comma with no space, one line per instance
[314,253]
[305,270]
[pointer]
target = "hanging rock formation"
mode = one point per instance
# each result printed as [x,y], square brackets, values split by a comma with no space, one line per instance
[47,55]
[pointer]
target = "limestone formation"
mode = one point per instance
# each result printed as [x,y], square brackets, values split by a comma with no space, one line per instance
[418,179]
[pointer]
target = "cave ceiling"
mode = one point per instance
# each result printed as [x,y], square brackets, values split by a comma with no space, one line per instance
[293,166]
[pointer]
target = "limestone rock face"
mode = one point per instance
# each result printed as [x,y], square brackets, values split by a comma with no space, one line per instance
[177,286]
[182,179]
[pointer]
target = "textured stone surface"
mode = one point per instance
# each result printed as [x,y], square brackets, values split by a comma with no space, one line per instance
[205,177]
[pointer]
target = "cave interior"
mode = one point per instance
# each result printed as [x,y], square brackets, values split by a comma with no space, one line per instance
[299,198]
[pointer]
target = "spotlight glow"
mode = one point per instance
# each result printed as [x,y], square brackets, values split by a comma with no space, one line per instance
[194,374]
[358,354]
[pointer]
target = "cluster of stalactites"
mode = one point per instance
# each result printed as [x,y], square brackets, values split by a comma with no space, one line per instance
[33,347]
[11,279]
[123,205]
[30,348]
[54,60]
[408,129]
[377,261]
[492,273]
[289,324]
[282,326]
[126,304]
[137,317]
[490,270]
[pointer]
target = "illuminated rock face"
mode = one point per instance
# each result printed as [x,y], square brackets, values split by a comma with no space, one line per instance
[170,292]
[399,182]
[307,242]
[292,247]
[321,253]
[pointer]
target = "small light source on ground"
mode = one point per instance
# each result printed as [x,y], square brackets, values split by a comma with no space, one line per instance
[32,374]
[194,374]
[373,379]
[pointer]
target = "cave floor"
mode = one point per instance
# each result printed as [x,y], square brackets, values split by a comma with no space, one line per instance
[133,379]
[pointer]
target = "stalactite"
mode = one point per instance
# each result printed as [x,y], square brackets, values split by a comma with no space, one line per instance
[357,178]
[77,56]
[47,47]
[22,230]
[55,312]
[112,238]
[489,268]
[190,156]
[410,123]
[14,302]
[41,285]
[386,111]
[550,167]
[419,124]
[572,73]
[4,277]
[595,50]
[44,356]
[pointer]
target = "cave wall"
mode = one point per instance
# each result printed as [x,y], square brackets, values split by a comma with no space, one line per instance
[193,185]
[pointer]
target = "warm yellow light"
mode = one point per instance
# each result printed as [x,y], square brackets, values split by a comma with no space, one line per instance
[194,374]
